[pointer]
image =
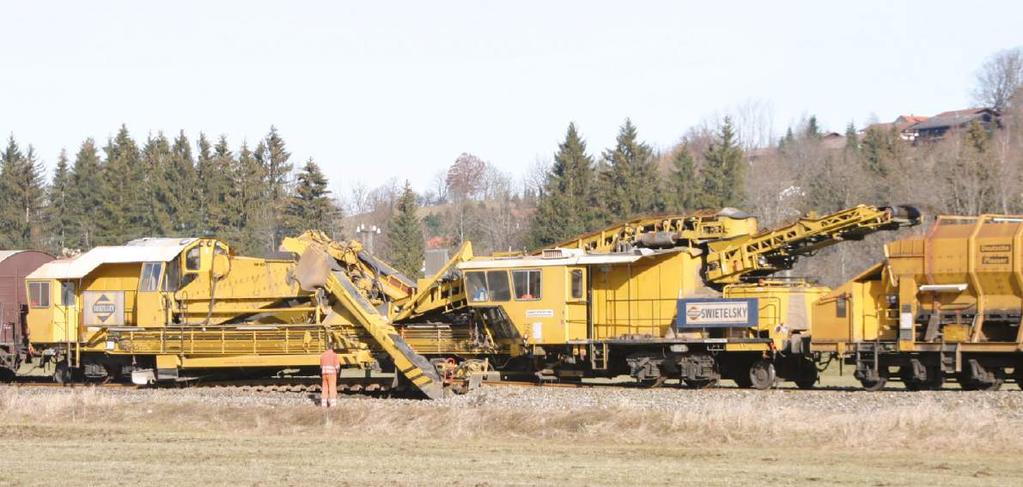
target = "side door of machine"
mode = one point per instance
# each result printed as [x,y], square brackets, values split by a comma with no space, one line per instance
[150,305]
[66,311]
[577,315]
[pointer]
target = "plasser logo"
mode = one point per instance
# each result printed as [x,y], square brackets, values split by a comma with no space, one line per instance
[104,308]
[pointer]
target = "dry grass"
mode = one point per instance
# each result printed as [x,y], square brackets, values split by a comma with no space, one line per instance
[523,436]
[947,420]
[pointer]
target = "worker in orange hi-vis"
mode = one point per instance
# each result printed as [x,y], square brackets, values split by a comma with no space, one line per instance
[330,365]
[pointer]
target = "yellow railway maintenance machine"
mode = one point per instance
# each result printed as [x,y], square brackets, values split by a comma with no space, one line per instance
[684,297]
[170,309]
[944,306]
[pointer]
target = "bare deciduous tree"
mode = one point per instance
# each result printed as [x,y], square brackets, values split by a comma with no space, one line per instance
[465,178]
[999,79]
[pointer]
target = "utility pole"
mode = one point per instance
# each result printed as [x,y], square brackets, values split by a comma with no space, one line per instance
[369,231]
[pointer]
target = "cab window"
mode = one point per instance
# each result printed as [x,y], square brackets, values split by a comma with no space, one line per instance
[39,294]
[497,284]
[487,286]
[150,279]
[476,282]
[172,278]
[577,284]
[527,284]
[192,259]
[67,293]
[841,307]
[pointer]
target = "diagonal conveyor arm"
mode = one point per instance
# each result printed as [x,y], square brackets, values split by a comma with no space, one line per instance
[413,366]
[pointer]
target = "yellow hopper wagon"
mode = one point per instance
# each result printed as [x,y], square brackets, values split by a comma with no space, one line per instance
[945,306]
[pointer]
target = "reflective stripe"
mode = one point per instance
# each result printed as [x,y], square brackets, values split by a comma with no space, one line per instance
[328,370]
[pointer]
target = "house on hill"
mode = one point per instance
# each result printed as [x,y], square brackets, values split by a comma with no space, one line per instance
[936,127]
[902,125]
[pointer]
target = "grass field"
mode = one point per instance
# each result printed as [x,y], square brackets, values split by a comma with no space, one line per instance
[520,436]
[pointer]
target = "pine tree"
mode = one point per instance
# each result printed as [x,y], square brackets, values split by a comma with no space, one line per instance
[406,235]
[183,186]
[566,205]
[158,195]
[311,206]
[852,138]
[204,174]
[878,150]
[813,131]
[630,181]
[84,207]
[273,156]
[59,221]
[684,187]
[21,197]
[216,184]
[724,170]
[122,214]
[247,205]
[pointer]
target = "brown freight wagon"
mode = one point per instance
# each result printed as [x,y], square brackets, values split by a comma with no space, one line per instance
[14,266]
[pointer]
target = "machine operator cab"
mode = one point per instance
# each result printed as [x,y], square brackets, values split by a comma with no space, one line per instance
[126,285]
[545,297]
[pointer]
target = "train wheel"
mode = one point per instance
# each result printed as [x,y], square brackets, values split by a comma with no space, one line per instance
[62,373]
[743,381]
[808,374]
[935,380]
[873,385]
[699,383]
[975,377]
[762,375]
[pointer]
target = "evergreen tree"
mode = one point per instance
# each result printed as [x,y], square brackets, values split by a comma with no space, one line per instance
[122,213]
[878,150]
[630,181]
[852,139]
[566,204]
[311,206]
[406,235]
[183,186]
[204,172]
[216,184]
[84,205]
[787,140]
[247,204]
[273,156]
[813,131]
[724,170]
[158,195]
[58,212]
[684,188]
[21,197]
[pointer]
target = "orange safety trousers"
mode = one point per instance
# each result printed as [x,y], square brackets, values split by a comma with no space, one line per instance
[328,391]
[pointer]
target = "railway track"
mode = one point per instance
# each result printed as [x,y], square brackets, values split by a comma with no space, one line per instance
[299,385]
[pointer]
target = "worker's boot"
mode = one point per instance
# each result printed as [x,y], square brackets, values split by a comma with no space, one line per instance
[323,401]
[332,402]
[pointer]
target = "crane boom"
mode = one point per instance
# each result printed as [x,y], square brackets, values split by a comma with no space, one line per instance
[664,231]
[750,257]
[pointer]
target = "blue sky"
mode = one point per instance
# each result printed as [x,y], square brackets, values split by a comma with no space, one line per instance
[373,90]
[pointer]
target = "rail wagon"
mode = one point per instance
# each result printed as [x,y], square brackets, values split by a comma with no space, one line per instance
[14,303]
[945,306]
